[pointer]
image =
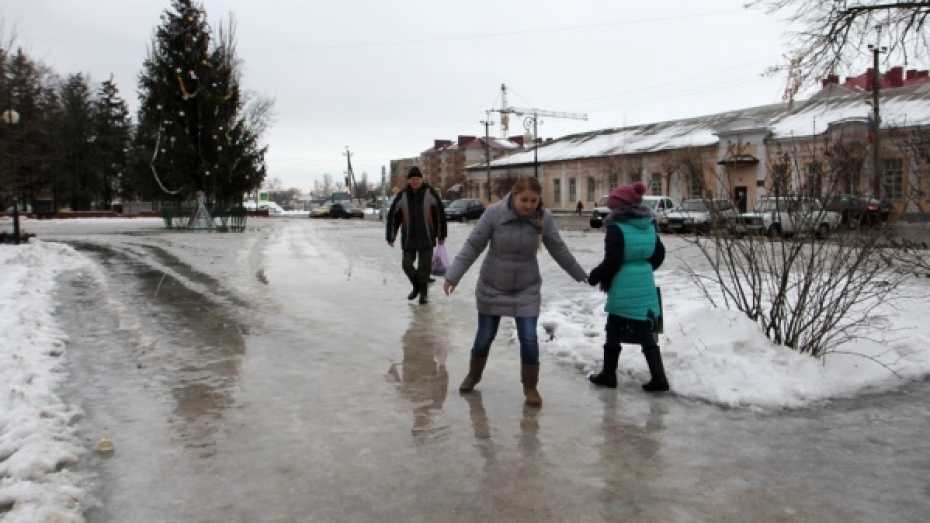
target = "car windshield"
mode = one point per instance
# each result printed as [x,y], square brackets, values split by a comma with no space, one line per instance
[603,202]
[458,204]
[348,206]
[694,205]
[766,206]
[788,205]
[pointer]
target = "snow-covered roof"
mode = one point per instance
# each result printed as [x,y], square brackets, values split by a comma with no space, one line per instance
[905,106]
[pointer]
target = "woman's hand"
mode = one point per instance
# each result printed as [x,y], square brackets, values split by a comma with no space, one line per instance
[448,287]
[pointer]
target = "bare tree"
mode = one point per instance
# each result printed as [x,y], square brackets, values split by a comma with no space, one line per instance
[501,185]
[833,37]
[804,292]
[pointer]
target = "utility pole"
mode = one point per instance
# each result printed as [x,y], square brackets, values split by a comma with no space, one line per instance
[876,121]
[487,149]
[350,176]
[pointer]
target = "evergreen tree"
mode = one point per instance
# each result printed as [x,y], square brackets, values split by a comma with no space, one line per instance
[190,127]
[79,185]
[113,131]
[28,147]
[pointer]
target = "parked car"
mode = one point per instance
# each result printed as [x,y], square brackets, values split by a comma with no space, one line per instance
[788,216]
[660,205]
[858,211]
[322,211]
[700,216]
[271,207]
[338,209]
[600,211]
[464,210]
[345,209]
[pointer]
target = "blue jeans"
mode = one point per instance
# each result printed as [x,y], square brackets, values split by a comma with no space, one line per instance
[526,333]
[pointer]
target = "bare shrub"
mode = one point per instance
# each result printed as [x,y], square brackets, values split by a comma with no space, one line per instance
[805,292]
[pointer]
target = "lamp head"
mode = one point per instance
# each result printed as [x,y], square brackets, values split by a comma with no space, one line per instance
[10,117]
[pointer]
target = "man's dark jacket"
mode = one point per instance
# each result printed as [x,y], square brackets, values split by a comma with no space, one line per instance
[419,216]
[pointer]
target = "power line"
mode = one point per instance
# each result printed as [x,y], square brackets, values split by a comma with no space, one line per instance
[506,33]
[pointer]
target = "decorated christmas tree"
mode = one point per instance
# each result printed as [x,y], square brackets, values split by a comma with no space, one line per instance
[192,131]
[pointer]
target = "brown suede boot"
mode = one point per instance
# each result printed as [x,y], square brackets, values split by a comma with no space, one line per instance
[475,368]
[529,375]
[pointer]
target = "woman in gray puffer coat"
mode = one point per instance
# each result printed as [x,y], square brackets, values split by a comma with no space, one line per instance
[509,283]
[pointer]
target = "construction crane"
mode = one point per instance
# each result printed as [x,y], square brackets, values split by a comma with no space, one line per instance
[506,110]
[532,115]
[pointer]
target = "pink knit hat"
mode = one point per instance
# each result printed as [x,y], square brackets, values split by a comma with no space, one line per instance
[626,194]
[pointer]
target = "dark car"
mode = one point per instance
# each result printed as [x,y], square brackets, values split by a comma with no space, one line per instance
[464,210]
[344,209]
[858,211]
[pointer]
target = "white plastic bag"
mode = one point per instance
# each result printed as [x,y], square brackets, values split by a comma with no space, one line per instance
[440,261]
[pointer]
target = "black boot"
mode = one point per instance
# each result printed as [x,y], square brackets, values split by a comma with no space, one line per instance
[416,289]
[423,289]
[608,375]
[658,383]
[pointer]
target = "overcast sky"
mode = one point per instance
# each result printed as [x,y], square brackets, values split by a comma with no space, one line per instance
[386,78]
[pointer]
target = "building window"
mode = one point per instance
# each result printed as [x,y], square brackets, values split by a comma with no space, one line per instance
[655,184]
[893,180]
[780,185]
[814,181]
[612,181]
[850,181]
[572,190]
[557,191]
[695,185]
[591,190]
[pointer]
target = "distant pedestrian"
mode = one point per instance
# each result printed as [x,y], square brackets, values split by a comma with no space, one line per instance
[417,212]
[632,251]
[509,283]
[579,208]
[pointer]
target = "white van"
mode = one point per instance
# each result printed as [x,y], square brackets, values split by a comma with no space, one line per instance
[660,205]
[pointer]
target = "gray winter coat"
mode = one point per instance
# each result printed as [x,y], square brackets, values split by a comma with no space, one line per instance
[509,283]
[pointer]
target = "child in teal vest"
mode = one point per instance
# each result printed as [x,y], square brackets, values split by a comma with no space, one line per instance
[632,251]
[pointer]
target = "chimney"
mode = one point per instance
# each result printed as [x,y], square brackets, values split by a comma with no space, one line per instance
[911,74]
[894,77]
[517,140]
[830,80]
[465,139]
[439,144]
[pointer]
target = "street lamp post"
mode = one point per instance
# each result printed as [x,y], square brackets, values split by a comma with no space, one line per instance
[11,118]
[876,123]
[526,125]
[487,150]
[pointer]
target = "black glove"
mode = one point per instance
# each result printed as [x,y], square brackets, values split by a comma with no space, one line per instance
[593,278]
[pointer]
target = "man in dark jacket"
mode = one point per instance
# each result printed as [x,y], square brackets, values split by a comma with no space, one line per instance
[417,212]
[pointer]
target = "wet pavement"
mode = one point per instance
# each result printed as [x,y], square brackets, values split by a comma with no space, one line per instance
[294,382]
